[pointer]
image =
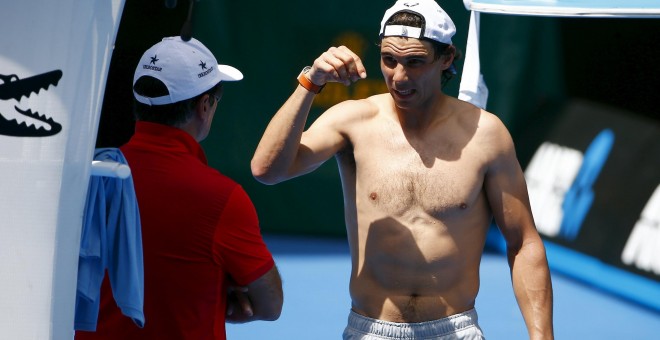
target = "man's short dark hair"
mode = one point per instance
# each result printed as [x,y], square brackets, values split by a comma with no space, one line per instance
[175,114]
[440,49]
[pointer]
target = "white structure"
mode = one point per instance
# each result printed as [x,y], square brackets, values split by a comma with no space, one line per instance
[54,59]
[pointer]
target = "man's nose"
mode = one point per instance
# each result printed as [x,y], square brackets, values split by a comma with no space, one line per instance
[400,73]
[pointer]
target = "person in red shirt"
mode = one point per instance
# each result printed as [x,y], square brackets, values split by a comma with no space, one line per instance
[205,262]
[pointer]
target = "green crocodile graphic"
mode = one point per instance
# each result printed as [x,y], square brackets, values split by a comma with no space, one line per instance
[14,88]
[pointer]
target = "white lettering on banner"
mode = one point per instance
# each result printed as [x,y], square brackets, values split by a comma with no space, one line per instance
[643,246]
[550,174]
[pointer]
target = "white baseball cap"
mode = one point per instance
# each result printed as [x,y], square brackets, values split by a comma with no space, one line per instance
[437,24]
[187,68]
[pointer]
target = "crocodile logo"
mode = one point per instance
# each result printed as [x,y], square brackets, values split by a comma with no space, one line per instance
[12,87]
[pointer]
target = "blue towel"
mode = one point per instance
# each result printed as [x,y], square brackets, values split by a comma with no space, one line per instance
[111,239]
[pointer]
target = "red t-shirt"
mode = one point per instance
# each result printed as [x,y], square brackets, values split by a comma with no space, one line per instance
[199,230]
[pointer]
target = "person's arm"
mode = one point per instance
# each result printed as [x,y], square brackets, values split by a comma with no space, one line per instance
[254,287]
[507,194]
[260,300]
[285,151]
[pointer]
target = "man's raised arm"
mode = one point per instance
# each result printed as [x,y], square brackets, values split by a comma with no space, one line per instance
[284,151]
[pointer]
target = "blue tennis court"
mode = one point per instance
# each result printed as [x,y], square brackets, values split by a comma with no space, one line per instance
[315,274]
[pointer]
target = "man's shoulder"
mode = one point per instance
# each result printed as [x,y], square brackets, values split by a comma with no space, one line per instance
[355,110]
[485,128]
[380,102]
[215,177]
[488,122]
[371,104]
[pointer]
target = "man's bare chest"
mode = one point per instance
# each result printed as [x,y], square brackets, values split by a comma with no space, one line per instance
[397,178]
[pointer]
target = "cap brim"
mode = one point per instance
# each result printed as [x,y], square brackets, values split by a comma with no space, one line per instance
[229,73]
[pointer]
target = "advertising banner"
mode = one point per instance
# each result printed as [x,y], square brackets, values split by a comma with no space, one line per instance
[594,187]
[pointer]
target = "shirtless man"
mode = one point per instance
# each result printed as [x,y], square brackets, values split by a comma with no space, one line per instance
[423,174]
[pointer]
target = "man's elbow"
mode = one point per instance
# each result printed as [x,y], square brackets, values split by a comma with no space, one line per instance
[264,178]
[278,302]
[273,311]
[273,315]
[267,296]
[264,174]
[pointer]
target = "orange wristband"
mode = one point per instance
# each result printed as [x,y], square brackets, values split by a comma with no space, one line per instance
[307,84]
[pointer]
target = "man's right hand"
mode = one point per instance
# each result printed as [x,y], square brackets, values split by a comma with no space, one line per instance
[337,64]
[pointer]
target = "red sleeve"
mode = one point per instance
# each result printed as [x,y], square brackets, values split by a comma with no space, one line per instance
[238,245]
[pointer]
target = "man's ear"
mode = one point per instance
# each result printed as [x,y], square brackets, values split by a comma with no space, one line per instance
[203,106]
[448,57]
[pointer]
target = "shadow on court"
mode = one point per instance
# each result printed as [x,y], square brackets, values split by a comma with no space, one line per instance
[315,273]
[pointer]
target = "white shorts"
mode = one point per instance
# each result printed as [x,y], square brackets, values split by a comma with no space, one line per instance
[454,327]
